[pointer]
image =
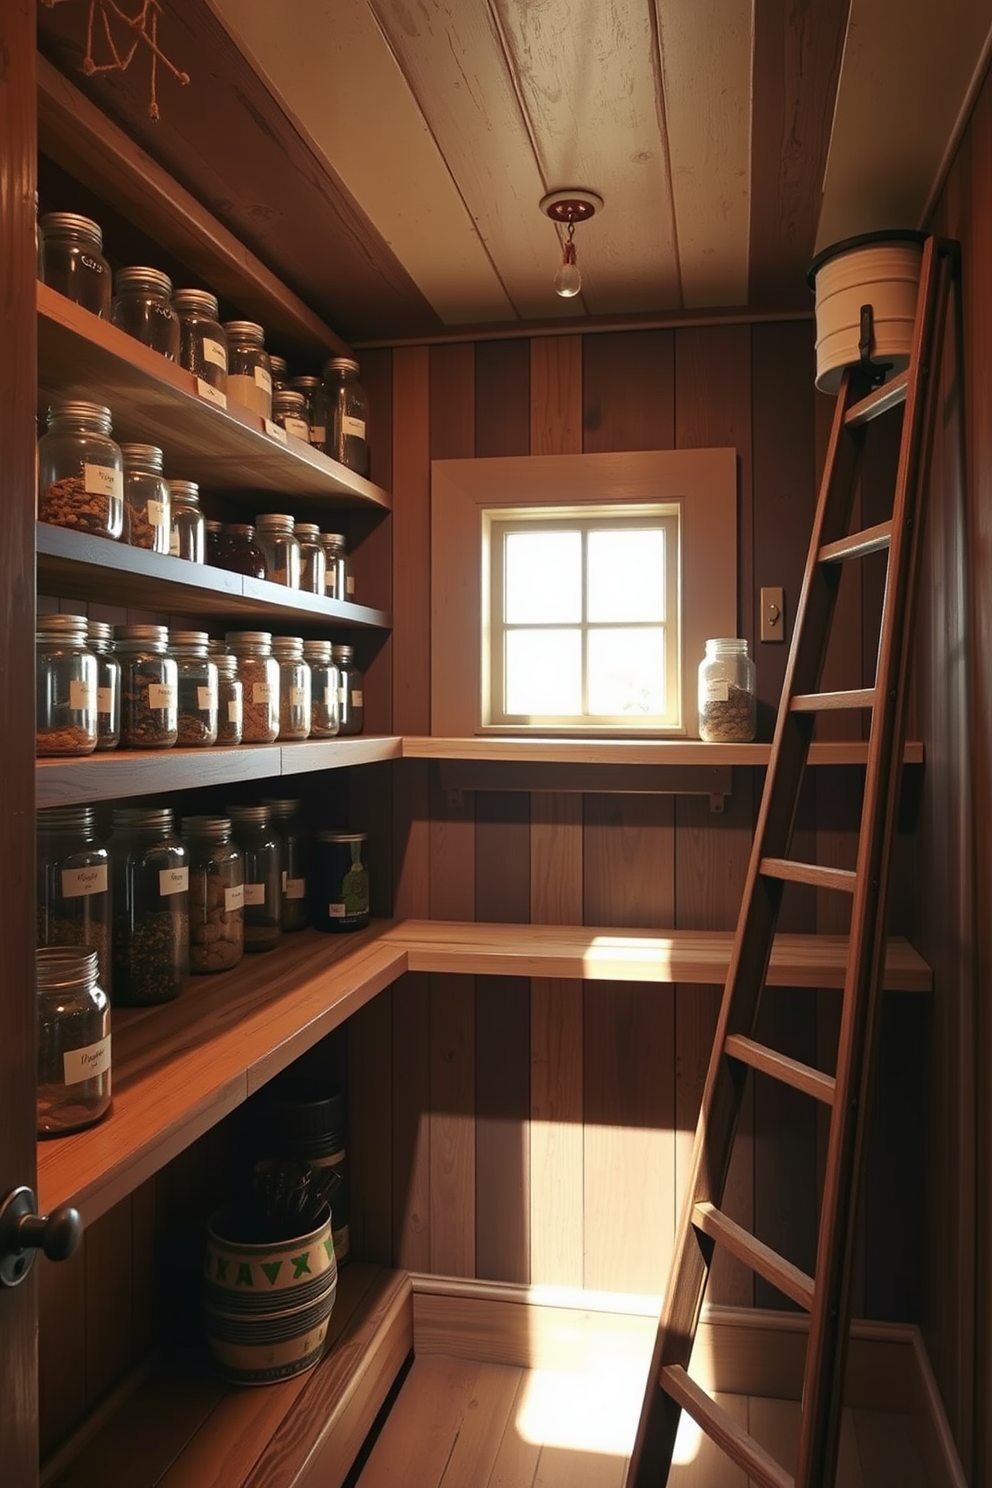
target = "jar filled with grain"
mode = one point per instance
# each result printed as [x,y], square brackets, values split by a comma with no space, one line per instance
[81,470]
[255,835]
[294,687]
[197,682]
[347,415]
[187,524]
[142,308]
[259,673]
[216,894]
[230,698]
[149,873]
[276,536]
[351,694]
[336,565]
[289,411]
[202,338]
[73,1040]
[147,506]
[73,884]
[72,260]
[292,860]
[727,710]
[313,391]
[325,680]
[100,639]
[249,372]
[66,687]
[149,687]
[313,563]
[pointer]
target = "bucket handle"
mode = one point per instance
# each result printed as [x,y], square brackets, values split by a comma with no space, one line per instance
[874,371]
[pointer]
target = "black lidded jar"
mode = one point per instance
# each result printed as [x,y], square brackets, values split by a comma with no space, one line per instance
[339,881]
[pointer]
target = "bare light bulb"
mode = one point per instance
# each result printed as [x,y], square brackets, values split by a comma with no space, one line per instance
[568,280]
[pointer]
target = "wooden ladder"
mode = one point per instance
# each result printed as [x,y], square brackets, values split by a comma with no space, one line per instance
[735,1051]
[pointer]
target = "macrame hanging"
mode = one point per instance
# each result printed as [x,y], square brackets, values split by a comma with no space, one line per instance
[143,29]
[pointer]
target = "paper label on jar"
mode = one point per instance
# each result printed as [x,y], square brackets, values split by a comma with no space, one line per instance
[318,434]
[87,1063]
[337,911]
[715,690]
[161,695]
[298,427]
[276,430]
[105,701]
[79,881]
[100,480]
[234,898]
[297,697]
[254,893]
[358,698]
[210,394]
[342,695]
[214,352]
[173,881]
[295,888]
[261,692]
[158,513]
[206,699]
[263,379]
[174,544]
[81,696]
[233,711]
[353,426]
[349,586]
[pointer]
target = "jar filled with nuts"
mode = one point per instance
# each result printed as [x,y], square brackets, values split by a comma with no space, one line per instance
[255,835]
[230,698]
[216,894]
[286,819]
[274,532]
[198,692]
[149,687]
[188,528]
[294,687]
[100,638]
[325,679]
[73,883]
[727,711]
[259,673]
[147,522]
[149,870]
[66,679]
[81,470]
[313,562]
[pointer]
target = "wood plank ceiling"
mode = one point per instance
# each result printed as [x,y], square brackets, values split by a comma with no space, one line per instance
[387,157]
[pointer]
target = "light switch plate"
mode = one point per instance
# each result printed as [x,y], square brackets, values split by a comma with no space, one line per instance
[773,614]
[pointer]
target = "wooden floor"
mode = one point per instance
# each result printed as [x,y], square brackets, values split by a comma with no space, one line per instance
[463,1424]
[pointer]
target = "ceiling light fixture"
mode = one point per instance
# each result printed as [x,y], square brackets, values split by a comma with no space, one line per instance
[566,208]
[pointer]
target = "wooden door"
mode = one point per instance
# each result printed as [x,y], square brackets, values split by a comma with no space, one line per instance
[18,1305]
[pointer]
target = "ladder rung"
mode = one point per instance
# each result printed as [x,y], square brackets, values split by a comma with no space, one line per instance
[843,879]
[880,401]
[754,1253]
[789,1071]
[822,702]
[723,1429]
[857,544]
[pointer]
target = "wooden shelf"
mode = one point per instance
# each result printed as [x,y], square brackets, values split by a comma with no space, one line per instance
[630,751]
[77,565]
[142,772]
[153,401]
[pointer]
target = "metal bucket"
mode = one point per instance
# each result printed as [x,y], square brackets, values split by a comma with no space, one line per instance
[880,270]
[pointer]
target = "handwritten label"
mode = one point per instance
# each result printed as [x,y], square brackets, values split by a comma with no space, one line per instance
[336,911]
[263,379]
[261,692]
[87,1063]
[234,711]
[101,480]
[353,426]
[214,352]
[105,701]
[296,888]
[82,696]
[716,690]
[210,394]
[173,881]
[276,430]
[206,699]
[79,881]
[161,695]
[254,893]
[174,543]
[358,698]
[234,898]
[158,513]
[297,697]
[349,586]
[318,434]
[297,426]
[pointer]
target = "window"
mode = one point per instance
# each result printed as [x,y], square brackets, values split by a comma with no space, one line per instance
[568,520]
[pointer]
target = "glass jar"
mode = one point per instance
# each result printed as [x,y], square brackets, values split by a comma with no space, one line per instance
[216,894]
[80,470]
[147,520]
[100,639]
[198,692]
[149,874]
[336,565]
[347,415]
[142,307]
[72,260]
[215,542]
[73,1040]
[325,680]
[339,882]
[73,884]
[259,673]
[256,836]
[230,698]
[280,372]
[727,710]
[286,820]
[313,391]
[149,687]
[66,683]
[289,410]
[240,552]
[275,535]
[202,338]
[294,687]
[249,372]
[351,698]
[313,563]
[187,524]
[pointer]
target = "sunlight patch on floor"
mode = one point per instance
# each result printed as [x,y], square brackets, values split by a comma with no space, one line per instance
[591,1412]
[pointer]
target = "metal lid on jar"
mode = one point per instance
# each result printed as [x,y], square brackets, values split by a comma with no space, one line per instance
[341,836]
[69,627]
[340,364]
[182,490]
[288,648]
[317,651]
[99,632]
[308,384]
[245,330]
[308,531]
[274,520]
[285,400]
[193,639]
[249,640]
[52,224]
[142,277]
[278,364]
[226,664]
[196,299]
[281,806]
[216,828]
[239,529]
[332,539]
[155,636]
[253,815]
[142,457]
[66,819]
[342,653]
[75,408]
[143,818]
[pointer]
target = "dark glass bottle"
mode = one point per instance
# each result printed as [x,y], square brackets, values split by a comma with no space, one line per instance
[255,835]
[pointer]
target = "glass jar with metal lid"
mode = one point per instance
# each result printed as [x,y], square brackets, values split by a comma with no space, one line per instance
[325,680]
[216,894]
[313,562]
[240,552]
[347,415]
[149,687]
[727,707]
[339,881]
[255,835]
[249,372]
[66,680]
[286,820]
[73,884]
[198,689]
[142,307]
[80,470]
[313,390]
[230,698]
[100,639]
[351,696]
[280,372]
[202,338]
[335,564]
[259,673]
[294,687]
[72,260]
[275,535]
[187,524]
[73,1040]
[147,506]
[149,874]
[289,410]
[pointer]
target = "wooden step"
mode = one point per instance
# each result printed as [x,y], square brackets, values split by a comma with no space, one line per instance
[723,1429]
[789,1279]
[857,544]
[824,702]
[880,400]
[800,1076]
[842,879]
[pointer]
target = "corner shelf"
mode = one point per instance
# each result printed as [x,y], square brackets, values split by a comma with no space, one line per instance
[519,750]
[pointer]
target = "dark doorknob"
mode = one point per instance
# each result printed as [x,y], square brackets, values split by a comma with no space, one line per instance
[23,1233]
